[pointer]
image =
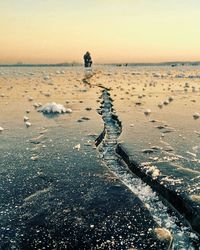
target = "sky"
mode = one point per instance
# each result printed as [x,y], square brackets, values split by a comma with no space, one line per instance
[121,31]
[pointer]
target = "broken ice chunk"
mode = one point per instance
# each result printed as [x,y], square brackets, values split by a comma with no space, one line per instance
[78,147]
[54,108]
[196,115]
[28,124]
[147,112]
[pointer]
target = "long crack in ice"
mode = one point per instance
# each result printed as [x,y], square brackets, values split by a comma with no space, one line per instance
[182,235]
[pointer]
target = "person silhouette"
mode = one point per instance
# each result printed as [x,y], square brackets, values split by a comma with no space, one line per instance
[87,59]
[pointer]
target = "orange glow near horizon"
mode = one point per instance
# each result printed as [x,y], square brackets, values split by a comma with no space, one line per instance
[55,31]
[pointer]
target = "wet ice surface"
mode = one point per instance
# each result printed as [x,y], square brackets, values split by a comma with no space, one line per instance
[157,108]
[172,127]
[50,174]
[54,191]
[182,235]
[169,133]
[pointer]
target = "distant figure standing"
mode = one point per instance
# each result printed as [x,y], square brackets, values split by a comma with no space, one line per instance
[87,60]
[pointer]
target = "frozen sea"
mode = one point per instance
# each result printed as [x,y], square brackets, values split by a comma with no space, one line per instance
[60,189]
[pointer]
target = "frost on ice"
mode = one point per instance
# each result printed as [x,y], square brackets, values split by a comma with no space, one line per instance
[54,108]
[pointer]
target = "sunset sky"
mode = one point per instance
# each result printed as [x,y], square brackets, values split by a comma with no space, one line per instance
[53,31]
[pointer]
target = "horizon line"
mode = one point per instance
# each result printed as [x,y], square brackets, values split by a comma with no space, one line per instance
[106,63]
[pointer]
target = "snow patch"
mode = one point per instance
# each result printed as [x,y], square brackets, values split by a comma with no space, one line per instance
[54,108]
